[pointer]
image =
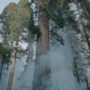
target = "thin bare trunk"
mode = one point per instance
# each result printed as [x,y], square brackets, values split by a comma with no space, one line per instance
[76,70]
[12,72]
[87,83]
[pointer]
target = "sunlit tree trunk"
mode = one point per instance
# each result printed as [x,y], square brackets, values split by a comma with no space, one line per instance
[12,72]
[12,67]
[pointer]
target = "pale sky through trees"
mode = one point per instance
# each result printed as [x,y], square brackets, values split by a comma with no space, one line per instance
[44,45]
[4,3]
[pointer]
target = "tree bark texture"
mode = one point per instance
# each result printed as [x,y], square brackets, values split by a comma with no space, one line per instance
[43,38]
[42,70]
[12,72]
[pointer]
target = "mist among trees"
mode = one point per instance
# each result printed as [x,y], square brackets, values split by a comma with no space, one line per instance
[45,45]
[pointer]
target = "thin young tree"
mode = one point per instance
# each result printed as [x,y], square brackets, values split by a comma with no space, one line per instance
[19,15]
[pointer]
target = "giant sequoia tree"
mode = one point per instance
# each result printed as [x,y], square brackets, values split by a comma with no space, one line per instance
[21,23]
[46,11]
[59,12]
[42,43]
[43,24]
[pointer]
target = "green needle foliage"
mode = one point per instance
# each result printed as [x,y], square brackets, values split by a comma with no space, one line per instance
[5,49]
[19,15]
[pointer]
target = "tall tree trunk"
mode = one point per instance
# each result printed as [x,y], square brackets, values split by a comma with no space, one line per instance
[43,38]
[12,71]
[42,48]
[13,66]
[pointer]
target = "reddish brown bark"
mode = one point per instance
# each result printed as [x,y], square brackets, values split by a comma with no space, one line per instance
[43,39]
[42,47]
[11,72]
